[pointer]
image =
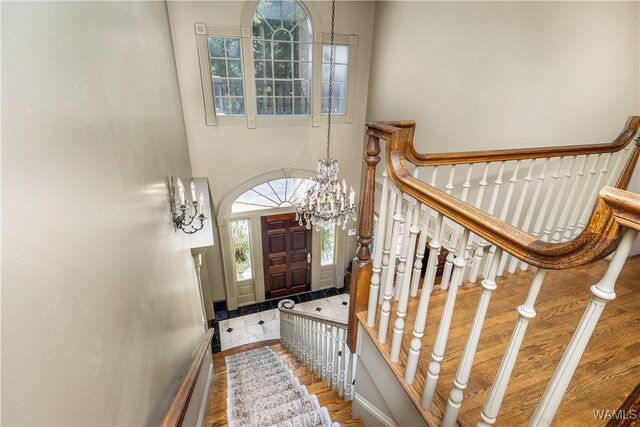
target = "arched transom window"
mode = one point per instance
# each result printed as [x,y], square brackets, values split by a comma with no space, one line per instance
[277,193]
[282,58]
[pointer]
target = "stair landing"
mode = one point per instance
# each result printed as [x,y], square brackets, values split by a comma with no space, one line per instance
[607,373]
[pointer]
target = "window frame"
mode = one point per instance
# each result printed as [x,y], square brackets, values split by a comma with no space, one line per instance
[251,118]
[203,32]
[251,278]
[272,61]
[339,39]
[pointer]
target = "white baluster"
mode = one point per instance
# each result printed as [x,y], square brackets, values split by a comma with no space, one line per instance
[603,292]
[562,222]
[479,254]
[499,387]
[505,209]
[613,176]
[440,342]
[336,366]
[534,202]
[422,242]
[492,205]
[387,241]
[350,374]
[300,334]
[404,251]
[401,312]
[342,354]
[284,337]
[325,351]
[559,198]
[330,354]
[311,352]
[292,335]
[471,345]
[465,191]
[377,256]
[318,349]
[448,266]
[516,216]
[568,234]
[594,194]
[537,228]
[423,305]
[305,341]
[388,288]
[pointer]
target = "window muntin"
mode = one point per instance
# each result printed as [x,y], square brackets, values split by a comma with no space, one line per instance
[327,246]
[226,75]
[241,248]
[340,74]
[282,58]
[277,193]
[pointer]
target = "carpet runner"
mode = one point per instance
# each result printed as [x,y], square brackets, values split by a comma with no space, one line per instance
[262,391]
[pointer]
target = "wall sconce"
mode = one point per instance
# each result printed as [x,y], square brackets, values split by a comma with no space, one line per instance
[181,219]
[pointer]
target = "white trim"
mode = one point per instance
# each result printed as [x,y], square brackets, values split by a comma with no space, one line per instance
[373,411]
[203,32]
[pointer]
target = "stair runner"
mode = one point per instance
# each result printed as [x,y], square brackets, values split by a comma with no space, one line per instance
[262,391]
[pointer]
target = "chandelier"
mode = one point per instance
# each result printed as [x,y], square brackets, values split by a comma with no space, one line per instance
[324,203]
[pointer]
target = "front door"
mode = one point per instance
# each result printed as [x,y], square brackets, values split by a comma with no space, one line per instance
[286,250]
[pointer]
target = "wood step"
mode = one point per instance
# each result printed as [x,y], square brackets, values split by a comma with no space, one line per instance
[339,409]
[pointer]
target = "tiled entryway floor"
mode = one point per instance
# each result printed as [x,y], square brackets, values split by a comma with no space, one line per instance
[265,325]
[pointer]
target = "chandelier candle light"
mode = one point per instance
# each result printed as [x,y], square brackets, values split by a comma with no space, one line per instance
[325,203]
[180,216]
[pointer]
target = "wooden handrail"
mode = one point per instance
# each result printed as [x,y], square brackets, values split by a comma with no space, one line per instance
[436,159]
[175,413]
[316,317]
[625,206]
[599,238]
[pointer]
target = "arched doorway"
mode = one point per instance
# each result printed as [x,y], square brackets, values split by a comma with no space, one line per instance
[241,217]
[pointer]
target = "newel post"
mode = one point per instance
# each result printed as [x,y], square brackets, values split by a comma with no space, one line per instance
[361,265]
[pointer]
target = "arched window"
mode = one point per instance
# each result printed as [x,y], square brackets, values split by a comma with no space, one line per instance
[277,193]
[282,40]
[281,76]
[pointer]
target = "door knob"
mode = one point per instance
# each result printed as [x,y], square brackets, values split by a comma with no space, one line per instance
[308,257]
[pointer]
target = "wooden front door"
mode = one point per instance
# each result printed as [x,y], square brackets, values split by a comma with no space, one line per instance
[286,250]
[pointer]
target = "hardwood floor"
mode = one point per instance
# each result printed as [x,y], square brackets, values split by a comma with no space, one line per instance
[339,409]
[608,371]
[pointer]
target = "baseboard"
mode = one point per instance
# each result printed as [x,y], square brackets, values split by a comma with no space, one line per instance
[204,407]
[373,411]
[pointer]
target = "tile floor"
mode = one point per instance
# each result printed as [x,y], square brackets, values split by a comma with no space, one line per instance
[265,325]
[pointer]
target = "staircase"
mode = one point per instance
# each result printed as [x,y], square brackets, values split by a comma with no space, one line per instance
[521,228]
[339,409]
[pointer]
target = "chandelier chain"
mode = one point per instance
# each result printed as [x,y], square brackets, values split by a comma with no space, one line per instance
[331,66]
[325,203]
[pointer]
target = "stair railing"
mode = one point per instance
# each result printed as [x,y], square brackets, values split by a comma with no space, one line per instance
[550,208]
[320,343]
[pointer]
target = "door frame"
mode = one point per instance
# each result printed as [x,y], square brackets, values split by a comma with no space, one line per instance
[265,221]
[252,291]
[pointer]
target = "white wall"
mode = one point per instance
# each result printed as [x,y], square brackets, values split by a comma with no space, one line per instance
[485,75]
[100,305]
[489,75]
[229,155]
